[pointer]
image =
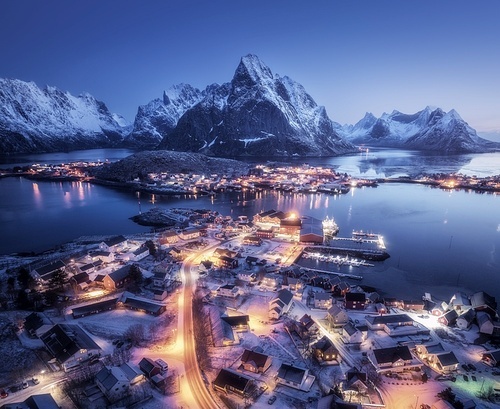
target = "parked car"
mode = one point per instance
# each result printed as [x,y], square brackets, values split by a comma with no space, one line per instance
[465,367]
[474,378]
[35,381]
[3,394]
[466,378]
[271,400]
[471,367]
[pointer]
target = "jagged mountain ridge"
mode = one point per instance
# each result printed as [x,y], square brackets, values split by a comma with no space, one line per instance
[256,114]
[44,120]
[429,129]
[160,116]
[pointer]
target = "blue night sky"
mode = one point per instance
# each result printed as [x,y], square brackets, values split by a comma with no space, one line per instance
[352,56]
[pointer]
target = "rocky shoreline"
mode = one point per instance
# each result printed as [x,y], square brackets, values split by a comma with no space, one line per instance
[155,218]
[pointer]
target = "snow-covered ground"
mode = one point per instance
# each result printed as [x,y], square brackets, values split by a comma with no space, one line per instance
[162,342]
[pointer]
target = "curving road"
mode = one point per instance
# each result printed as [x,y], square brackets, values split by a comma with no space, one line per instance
[198,391]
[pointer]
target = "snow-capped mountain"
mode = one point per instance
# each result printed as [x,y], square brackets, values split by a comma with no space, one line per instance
[44,120]
[430,129]
[258,114]
[159,117]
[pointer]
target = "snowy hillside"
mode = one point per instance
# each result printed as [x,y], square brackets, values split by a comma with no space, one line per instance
[34,119]
[146,162]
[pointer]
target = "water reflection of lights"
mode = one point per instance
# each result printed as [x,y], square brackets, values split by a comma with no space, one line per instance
[81,191]
[37,195]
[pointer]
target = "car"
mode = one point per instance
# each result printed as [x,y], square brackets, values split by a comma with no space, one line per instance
[465,367]
[35,381]
[466,378]
[3,394]
[14,388]
[496,373]
[471,367]
[474,378]
[119,344]
[271,400]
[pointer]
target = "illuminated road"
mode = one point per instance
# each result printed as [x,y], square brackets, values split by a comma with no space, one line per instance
[197,388]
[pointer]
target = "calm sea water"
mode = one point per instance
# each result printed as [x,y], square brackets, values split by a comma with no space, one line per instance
[439,241]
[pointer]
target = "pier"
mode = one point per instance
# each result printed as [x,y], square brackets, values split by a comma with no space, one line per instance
[343,275]
[340,261]
[352,247]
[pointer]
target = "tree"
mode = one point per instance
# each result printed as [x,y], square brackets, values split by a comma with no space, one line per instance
[151,246]
[135,274]
[135,333]
[447,395]
[24,278]
[50,297]
[58,279]
[11,288]
[23,301]
[487,393]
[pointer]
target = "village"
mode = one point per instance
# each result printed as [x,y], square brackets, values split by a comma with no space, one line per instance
[294,179]
[268,331]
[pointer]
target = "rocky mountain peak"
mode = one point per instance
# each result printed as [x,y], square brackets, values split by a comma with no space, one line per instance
[251,71]
[256,114]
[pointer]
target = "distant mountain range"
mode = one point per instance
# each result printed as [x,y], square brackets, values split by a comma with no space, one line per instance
[429,129]
[49,120]
[257,113]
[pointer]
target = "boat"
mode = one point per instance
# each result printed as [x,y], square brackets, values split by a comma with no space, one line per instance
[360,234]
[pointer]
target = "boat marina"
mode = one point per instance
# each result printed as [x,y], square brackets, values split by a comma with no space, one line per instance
[340,261]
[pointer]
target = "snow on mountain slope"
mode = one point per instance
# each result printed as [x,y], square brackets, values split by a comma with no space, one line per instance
[429,129]
[34,119]
[159,117]
[257,114]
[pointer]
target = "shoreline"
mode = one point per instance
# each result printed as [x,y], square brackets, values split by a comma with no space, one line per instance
[458,186]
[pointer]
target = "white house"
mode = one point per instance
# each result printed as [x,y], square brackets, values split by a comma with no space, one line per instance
[115,381]
[141,253]
[295,377]
[280,304]
[229,291]
[322,300]
[114,244]
[395,359]
[70,345]
[190,233]
[337,316]
[352,335]
[104,256]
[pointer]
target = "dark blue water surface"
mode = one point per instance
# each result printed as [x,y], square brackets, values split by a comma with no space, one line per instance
[439,241]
